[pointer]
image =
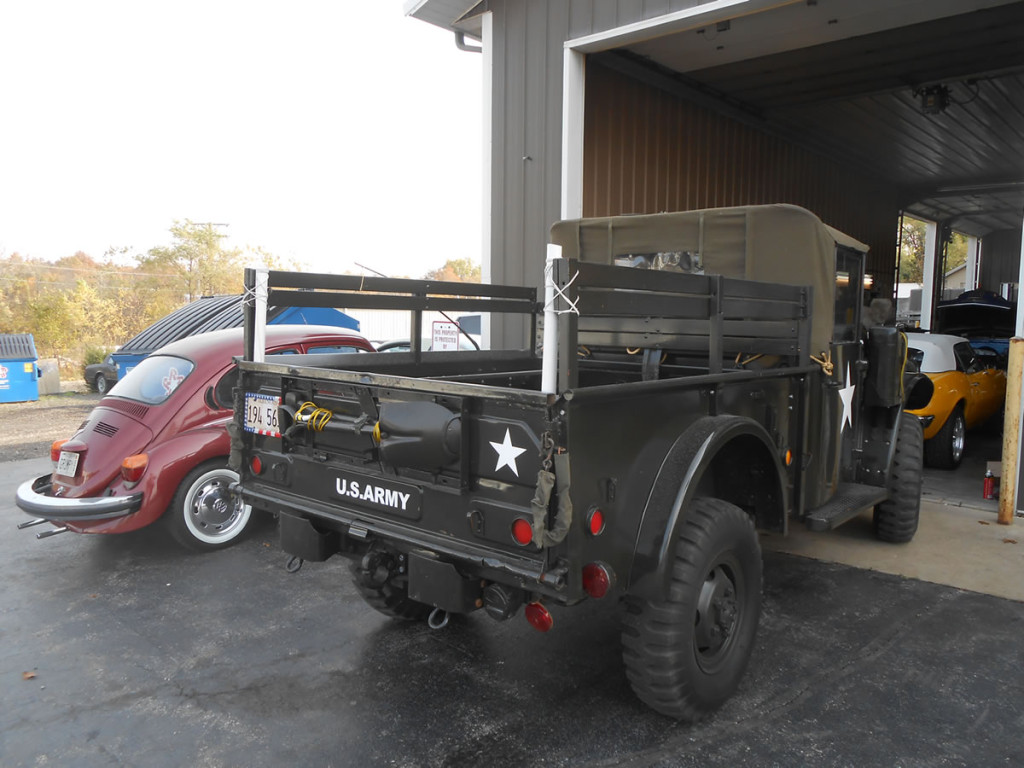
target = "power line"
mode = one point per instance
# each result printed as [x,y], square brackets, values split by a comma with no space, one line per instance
[93,271]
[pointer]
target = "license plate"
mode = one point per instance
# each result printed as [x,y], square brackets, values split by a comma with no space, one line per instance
[67,464]
[261,414]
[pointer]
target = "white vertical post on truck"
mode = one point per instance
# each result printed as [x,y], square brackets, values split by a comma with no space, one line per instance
[549,361]
[259,331]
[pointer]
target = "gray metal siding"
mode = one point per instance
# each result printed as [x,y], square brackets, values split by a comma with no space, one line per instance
[1000,259]
[642,161]
[526,89]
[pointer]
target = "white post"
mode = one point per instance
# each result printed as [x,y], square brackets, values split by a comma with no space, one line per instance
[487,270]
[574,80]
[928,274]
[549,363]
[259,331]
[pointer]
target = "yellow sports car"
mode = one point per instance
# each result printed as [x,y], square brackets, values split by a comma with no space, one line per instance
[967,393]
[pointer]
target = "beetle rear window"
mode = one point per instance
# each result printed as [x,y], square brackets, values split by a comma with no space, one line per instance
[154,379]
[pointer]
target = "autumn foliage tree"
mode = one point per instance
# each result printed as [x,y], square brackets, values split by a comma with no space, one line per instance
[456,270]
[78,302]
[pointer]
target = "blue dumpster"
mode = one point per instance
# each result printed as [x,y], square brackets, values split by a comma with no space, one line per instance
[19,372]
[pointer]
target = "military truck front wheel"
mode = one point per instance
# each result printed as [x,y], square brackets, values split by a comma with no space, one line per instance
[895,519]
[685,654]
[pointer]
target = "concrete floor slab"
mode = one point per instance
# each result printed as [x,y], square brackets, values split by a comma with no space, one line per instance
[956,545]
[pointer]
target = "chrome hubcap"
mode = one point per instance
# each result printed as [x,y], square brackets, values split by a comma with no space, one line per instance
[213,508]
[958,438]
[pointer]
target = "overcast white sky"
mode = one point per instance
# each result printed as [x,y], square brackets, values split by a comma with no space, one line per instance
[329,131]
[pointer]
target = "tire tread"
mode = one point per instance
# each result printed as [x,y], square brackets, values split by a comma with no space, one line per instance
[896,519]
[655,637]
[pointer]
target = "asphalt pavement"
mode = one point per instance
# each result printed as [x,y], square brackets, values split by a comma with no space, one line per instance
[126,651]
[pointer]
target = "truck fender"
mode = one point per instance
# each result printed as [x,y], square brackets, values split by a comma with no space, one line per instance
[700,463]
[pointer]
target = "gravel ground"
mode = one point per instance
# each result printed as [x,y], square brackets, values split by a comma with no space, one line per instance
[29,428]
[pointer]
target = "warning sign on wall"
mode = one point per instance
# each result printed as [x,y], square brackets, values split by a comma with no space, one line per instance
[444,336]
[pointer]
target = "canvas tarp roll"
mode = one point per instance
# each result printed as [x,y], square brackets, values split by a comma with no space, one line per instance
[767,243]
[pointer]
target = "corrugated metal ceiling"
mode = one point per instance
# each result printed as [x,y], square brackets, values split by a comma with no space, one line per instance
[860,99]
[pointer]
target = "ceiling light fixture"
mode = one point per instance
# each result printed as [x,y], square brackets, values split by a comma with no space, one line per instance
[934,99]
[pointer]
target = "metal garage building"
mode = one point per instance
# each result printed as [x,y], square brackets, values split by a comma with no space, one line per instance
[855,109]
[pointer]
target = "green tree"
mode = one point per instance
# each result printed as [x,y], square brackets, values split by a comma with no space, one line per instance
[195,264]
[456,270]
[911,254]
[956,251]
[912,239]
[257,256]
[54,325]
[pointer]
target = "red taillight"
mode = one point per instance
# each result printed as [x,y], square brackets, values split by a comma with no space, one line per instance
[133,467]
[539,617]
[597,579]
[522,531]
[55,449]
[595,521]
[256,466]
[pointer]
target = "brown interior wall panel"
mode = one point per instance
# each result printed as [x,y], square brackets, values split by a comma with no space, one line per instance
[647,151]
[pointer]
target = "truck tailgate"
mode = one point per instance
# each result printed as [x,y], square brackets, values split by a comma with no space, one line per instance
[447,466]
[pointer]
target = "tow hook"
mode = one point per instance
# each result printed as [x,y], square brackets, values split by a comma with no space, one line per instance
[294,564]
[438,619]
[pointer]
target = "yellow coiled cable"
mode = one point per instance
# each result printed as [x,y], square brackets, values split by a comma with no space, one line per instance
[317,417]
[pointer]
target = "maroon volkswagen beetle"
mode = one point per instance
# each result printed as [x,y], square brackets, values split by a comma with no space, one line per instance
[156,447]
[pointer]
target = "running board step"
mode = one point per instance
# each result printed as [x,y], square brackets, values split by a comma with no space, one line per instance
[849,501]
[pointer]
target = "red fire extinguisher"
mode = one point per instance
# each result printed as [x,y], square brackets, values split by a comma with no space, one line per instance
[989,489]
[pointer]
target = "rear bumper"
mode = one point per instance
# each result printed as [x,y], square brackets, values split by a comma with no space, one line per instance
[33,497]
[314,530]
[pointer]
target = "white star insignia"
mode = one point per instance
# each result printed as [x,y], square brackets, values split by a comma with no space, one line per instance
[507,453]
[846,395]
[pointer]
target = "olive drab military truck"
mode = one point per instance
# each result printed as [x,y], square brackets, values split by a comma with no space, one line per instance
[703,375]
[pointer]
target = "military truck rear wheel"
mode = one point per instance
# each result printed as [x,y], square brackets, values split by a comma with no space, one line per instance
[896,518]
[685,654]
[387,594]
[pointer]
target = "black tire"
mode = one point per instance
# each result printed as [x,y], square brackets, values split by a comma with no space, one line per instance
[392,597]
[896,519]
[101,384]
[685,654]
[946,449]
[203,515]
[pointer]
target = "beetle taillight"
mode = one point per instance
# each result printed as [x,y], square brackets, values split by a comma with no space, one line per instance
[55,449]
[539,617]
[133,467]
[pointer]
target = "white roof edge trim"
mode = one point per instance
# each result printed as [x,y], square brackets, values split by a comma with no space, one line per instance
[409,7]
[665,24]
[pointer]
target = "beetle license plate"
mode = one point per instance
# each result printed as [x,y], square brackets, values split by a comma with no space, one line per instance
[67,464]
[261,414]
